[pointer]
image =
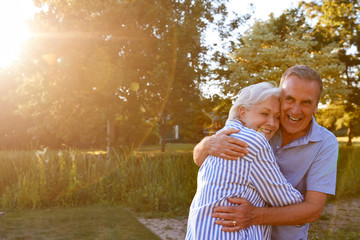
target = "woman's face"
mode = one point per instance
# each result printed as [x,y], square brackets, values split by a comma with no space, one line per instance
[263,117]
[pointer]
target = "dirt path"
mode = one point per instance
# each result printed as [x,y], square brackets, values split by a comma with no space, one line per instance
[167,229]
[335,216]
[340,215]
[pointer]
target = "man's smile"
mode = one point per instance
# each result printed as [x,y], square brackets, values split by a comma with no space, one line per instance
[294,119]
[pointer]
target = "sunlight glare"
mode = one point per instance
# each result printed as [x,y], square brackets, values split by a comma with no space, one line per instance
[13,28]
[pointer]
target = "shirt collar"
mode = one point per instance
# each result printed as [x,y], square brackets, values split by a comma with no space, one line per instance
[313,135]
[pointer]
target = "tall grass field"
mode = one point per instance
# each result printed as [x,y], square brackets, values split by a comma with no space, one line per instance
[143,181]
[146,181]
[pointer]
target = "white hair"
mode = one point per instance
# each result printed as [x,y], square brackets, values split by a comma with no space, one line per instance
[253,95]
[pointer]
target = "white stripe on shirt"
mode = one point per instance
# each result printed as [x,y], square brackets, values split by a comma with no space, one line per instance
[255,177]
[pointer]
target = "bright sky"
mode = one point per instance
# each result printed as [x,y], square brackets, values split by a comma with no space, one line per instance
[262,7]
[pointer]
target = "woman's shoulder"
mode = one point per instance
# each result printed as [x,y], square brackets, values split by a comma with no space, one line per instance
[250,136]
[254,138]
[233,124]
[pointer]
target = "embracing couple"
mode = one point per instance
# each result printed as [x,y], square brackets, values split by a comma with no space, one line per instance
[267,173]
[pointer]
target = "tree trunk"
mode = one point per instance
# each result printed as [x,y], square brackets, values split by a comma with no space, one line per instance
[110,135]
[163,133]
[349,134]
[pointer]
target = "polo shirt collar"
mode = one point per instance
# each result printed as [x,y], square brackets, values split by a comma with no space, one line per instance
[314,133]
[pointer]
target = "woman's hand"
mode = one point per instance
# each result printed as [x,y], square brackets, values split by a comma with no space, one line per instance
[235,218]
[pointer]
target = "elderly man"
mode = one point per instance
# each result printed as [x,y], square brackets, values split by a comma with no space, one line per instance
[305,151]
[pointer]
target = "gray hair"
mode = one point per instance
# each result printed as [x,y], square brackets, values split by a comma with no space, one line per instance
[252,95]
[305,73]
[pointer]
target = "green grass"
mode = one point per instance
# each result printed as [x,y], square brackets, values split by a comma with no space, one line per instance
[91,222]
[348,172]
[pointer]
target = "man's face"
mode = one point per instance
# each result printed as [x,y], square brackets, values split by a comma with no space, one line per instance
[299,99]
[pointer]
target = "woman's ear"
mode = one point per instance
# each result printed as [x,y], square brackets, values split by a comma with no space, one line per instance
[242,113]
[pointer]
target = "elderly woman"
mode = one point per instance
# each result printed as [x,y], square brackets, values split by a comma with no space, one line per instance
[255,177]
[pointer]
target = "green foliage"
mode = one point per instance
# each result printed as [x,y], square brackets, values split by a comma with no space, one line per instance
[336,117]
[338,22]
[331,117]
[270,47]
[13,128]
[143,182]
[137,64]
[217,111]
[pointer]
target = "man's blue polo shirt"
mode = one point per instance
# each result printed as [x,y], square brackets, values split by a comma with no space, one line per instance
[308,163]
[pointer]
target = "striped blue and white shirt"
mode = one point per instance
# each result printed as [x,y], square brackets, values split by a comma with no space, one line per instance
[255,177]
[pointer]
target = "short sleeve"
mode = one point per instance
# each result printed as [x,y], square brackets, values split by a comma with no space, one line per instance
[321,176]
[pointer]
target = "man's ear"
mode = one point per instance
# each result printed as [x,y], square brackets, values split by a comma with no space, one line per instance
[315,110]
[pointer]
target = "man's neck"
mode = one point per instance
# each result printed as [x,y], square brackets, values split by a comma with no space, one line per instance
[289,137]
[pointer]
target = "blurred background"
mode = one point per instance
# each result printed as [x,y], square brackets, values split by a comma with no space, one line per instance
[132,73]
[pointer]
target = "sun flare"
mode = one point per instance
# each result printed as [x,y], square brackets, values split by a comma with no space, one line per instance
[13,28]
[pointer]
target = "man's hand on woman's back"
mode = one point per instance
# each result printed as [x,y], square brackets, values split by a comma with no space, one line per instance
[220,145]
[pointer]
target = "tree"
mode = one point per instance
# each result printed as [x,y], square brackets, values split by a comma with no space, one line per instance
[338,21]
[334,117]
[217,110]
[13,128]
[130,64]
[268,48]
